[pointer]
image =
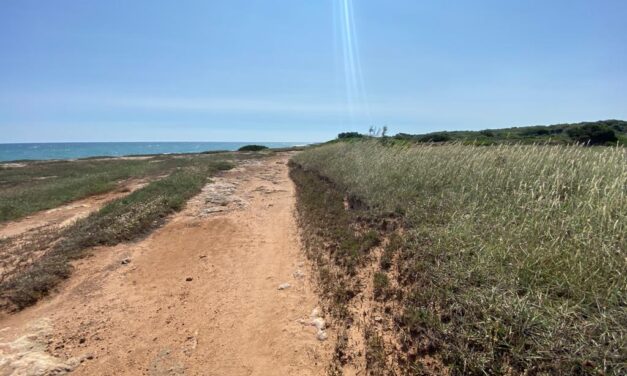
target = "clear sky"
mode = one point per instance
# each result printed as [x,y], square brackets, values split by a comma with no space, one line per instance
[274,70]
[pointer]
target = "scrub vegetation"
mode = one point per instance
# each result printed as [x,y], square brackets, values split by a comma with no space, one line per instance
[502,260]
[253,148]
[121,220]
[44,185]
[604,132]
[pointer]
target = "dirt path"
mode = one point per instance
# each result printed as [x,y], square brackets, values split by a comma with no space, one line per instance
[198,297]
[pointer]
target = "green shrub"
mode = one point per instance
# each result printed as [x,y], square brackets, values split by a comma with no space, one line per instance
[252,148]
[345,135]
[593,134]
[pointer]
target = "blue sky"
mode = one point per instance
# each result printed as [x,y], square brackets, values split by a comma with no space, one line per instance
[272,70]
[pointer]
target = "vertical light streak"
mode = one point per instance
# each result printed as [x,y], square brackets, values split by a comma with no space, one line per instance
[356,98]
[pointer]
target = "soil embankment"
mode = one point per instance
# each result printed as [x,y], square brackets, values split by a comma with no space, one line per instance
[200,296]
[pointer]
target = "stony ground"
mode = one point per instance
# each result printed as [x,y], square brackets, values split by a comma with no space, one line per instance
[221,289]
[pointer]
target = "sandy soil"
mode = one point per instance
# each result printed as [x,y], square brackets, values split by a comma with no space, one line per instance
[197,297]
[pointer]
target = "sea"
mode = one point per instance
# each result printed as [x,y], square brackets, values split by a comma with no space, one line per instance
[74,150]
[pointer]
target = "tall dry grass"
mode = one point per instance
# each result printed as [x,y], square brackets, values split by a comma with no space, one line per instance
[515,257]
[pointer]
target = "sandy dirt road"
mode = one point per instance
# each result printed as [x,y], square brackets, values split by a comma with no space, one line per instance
[199,296]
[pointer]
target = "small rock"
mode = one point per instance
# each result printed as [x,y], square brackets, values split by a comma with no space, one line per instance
[126,261]
[319,323]
[378,318]
[322,335]
[215,209]
[298,274]
[284,286]
[189,279]
[82,340]
[315,313]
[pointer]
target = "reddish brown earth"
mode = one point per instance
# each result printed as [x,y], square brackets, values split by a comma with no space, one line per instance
[197,297]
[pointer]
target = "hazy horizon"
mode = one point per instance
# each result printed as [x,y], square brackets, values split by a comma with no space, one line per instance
[278,71]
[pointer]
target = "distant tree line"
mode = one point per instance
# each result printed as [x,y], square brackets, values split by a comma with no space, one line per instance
[604,132]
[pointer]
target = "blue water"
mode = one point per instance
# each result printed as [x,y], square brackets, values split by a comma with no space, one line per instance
[12,152]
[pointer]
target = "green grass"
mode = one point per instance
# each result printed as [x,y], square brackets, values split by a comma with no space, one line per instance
[512,258]
[121,220]
[381,284]
[45,185]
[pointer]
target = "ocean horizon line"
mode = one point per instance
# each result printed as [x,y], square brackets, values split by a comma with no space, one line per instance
[36,151]
[155,142]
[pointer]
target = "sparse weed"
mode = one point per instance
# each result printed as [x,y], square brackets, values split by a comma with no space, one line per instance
[375,353]
[381,284]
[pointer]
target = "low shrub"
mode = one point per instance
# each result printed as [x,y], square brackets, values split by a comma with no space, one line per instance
[252,148]
[593,134]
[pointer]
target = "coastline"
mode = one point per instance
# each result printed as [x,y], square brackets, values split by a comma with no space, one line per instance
[21,152]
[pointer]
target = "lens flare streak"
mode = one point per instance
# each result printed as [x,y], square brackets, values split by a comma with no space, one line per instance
[356,98]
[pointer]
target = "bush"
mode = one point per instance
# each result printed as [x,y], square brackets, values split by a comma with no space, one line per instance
[435,137]
[592,134]
[252,148]
[345,135]
[535,131]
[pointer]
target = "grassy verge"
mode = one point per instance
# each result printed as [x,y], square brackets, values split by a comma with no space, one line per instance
[45,185]
[511,259]
[121,220]
[348,238]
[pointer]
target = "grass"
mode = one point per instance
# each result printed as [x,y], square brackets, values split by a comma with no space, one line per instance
[381,284]
[512,258]
[45,185]
[324,219]
[375,353]
[121,220]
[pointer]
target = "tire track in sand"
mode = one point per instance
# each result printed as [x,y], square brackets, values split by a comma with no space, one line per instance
[197,297]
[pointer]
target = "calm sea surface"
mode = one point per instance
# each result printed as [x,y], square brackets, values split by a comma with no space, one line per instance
[12,152]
